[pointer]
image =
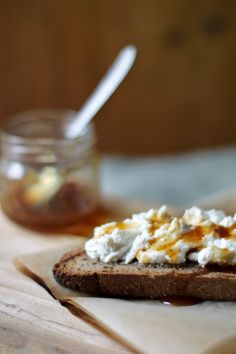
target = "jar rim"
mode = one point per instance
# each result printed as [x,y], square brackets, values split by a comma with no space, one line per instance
[27,124]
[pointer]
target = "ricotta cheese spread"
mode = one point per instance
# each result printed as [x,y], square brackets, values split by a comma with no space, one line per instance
[156,236]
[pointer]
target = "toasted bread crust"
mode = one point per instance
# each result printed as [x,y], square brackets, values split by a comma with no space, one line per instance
[77,271]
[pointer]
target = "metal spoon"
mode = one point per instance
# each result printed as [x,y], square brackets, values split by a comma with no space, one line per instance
[105,88]
[50,180]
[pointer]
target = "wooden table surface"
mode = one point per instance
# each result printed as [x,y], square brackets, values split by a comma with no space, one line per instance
[31,321]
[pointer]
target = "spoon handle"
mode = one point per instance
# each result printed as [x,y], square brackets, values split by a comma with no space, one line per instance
[105,88]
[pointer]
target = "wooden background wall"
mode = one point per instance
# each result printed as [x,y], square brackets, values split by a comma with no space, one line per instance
[180,94]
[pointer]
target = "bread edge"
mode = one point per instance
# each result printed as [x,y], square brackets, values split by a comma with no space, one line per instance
[205,284]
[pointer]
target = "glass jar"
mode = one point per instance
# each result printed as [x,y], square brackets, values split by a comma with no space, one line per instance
[47,180]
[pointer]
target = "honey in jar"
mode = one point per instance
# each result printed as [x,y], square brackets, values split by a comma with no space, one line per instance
[47,181]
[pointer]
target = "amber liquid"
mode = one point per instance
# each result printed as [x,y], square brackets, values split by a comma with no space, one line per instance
[180,300]
[70,205]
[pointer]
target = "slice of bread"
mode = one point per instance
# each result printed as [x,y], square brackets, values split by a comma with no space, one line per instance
[77,271]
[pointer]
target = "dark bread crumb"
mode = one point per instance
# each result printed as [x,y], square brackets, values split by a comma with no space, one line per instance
[77,271]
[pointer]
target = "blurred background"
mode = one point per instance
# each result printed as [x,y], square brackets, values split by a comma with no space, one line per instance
[178,98]
[180,95]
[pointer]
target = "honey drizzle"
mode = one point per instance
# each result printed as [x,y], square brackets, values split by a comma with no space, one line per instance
[156,223]
[193,236]
[180,300]
[118,225]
